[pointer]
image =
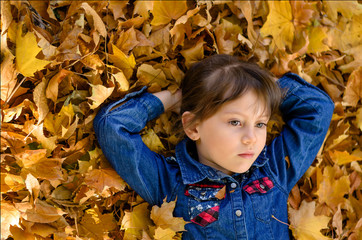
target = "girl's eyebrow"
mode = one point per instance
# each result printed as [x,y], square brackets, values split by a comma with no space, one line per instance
[264,115]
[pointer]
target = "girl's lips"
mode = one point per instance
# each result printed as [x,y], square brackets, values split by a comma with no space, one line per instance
[246,155]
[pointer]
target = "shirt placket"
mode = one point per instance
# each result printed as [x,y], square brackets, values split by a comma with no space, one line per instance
[237,206]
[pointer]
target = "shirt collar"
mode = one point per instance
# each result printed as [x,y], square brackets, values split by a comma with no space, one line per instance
[192,171]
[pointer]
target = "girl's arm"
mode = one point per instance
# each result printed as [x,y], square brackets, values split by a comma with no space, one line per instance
[117,128]
[307,112]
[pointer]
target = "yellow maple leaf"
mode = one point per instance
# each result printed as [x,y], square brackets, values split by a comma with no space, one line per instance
[316,36]
[346,8]
[343,157]
[353,92]
[163,217]
[136,220]
[26,51]
[99,94]
[122,61]
[103,179]
[279,24]
[359,118]
[164,11]
[152,141]
[94,224]
[305,225]
[164,234]
[154,78]
[332,190]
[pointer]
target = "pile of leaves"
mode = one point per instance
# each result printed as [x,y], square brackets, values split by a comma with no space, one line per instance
[61,60]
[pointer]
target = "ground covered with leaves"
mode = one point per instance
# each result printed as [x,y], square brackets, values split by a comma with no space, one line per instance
[61,60]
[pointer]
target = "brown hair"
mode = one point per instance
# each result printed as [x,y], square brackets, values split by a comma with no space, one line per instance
[218,79]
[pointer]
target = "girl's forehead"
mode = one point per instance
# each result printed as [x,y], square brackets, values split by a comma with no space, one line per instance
[249,102]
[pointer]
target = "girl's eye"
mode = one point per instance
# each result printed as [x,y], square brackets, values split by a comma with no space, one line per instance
[235,123]
[260,125]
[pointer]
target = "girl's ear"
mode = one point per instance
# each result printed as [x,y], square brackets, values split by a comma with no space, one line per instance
[190,130]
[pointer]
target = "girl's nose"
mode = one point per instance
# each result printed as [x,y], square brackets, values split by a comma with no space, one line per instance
[249,137]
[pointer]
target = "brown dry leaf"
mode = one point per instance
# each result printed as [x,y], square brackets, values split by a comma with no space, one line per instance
[162,217]
[41,101]
[97,21]
[118,8]
[353,92]
[103,179]
[305,225]
[33,186]
[127,40]
[193,54]
[41,212]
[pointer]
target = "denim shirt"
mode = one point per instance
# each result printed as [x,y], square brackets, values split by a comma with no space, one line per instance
[250,205]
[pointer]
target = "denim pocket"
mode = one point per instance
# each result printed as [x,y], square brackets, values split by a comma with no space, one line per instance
[261,195]
[204,205]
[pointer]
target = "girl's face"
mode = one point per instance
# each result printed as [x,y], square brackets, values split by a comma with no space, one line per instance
[232,138]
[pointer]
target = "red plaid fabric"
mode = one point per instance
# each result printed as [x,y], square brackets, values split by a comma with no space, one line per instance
[261,185]
[206,217]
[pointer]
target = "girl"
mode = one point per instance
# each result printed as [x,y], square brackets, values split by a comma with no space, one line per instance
[228,184]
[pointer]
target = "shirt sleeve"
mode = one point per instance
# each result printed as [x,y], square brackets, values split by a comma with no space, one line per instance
[307,112]
[117,128]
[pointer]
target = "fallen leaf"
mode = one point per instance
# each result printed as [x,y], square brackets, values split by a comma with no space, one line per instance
[122,61]
[163,217]
[343,157]
[99,94]
[97,21]
[164,11]
[279,24]
[136,220]
[10,216]
[152,141]
[42,212]
[353,93]
[26,51]
[103,179]
[305,225]
[332,189]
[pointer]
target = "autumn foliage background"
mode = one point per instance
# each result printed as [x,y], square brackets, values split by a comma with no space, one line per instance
[61,60]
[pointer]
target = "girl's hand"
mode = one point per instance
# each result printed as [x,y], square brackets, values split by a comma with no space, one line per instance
[171,102]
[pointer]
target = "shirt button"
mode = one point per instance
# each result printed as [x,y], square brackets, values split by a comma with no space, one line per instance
[233,185]
[238,213]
